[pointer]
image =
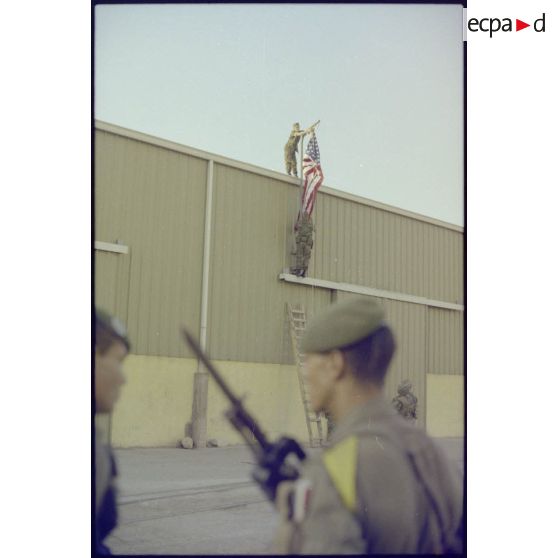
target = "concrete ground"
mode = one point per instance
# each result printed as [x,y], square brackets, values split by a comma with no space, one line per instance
[176,501]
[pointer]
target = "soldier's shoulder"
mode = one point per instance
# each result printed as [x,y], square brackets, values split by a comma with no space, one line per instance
[349,462]
[340,462]
[379,448]
[345,455]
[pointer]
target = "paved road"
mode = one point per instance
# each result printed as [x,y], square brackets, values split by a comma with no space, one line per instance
[175,501]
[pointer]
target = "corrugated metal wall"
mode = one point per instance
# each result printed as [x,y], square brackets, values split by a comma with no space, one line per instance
[112,279]
[366,246]
[445,341]
[106,290]
[247,317]
[252,223]
[153,201]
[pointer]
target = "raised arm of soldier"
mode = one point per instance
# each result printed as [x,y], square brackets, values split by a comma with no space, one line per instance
[310,129]
[296,131]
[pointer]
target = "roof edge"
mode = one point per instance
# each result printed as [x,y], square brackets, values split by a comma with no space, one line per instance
[206,155]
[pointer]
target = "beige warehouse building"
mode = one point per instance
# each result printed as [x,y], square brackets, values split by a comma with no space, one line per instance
[184,236]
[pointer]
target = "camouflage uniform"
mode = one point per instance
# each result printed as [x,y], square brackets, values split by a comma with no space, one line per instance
[405,403]
[304,244]
[290,149]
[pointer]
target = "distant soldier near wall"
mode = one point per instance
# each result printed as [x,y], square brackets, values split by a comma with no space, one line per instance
[304,243]
[405,402]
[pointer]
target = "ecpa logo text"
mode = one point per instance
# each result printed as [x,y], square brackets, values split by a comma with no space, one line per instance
[494,24]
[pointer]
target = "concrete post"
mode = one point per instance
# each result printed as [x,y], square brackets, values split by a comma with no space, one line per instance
[199,410]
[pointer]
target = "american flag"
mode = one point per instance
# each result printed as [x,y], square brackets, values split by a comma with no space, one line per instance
[313,175]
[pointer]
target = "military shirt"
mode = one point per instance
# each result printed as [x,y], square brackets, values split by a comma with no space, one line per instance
[381,487]
[105,494]
[292,144]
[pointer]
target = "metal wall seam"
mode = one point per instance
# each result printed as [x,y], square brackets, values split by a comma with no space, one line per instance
[247,167]
[142,204]
[142,200]
[206,258]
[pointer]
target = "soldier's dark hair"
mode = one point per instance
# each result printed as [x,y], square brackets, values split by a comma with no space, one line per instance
[370,357]
[105,337]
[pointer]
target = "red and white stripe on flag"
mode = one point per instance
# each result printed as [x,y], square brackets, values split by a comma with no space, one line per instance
[313,175]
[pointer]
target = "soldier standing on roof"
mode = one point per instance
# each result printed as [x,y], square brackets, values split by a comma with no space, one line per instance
[292,145]
[290,149]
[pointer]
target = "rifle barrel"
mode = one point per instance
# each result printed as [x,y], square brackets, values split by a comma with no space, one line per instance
[194,345]
[236,403]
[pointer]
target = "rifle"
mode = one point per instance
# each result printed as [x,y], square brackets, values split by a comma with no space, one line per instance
[273,466]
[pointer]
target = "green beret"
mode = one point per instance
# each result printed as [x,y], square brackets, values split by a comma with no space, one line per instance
[342,324]
[113,325]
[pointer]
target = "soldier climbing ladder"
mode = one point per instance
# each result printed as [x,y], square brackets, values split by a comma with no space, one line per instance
[297,321]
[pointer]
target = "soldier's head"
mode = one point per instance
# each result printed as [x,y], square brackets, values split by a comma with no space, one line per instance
[296,126]
[405,387]
[111,348]
[349,345]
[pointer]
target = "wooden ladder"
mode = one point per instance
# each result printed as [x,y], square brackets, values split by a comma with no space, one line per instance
[297,321]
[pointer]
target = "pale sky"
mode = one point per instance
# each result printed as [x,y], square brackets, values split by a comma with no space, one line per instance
[386,81]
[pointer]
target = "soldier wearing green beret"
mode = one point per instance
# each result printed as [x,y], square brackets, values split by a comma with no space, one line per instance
[111,348]
[381,486]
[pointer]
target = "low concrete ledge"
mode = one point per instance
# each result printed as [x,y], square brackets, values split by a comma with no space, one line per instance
[370,291]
